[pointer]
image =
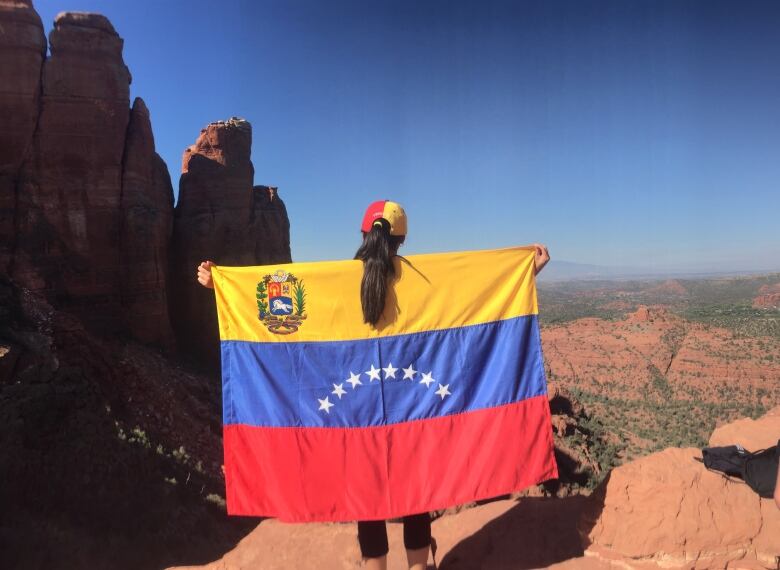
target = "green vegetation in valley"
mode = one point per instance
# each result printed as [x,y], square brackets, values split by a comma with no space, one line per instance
[743,319]
[720,302]
[651,424]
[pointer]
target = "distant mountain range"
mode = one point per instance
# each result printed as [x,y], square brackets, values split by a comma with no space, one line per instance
[570,271]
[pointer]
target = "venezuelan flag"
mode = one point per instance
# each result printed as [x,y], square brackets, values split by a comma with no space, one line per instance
[329,419]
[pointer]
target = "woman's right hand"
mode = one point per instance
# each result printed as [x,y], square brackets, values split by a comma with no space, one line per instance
[204,274]
[541,257]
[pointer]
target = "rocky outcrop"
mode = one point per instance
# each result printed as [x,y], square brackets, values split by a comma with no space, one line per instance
[220,217]
[576,444]
[22,51]
[110,454]
[86,204]
[751,434]
[768,297]
[644,314]
[667,510]
[69,196]
[146,224]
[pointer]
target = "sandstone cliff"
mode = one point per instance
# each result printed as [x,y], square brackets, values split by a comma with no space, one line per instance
[221,217]
[69,187]
[86,204]
[110,453]
[22,51]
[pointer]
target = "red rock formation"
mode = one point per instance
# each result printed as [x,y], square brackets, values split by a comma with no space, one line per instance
[22,51]
[768,297]
[667,510]
[69,193]
[146,225]
[86,204]
[749,433]
[220,216]
[641,315]
[672,287]
[620,358]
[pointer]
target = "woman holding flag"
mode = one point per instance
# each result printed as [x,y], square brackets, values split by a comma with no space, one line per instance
[384,230]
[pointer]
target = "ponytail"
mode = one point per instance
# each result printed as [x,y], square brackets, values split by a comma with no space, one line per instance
[376,252]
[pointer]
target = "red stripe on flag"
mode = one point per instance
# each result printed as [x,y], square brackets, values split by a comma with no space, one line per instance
[340,474]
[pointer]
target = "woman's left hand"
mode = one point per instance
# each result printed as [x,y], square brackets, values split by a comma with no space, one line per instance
[541,258]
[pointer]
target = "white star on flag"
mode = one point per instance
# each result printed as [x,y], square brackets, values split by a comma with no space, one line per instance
[442,391]
[427,379]
[373,374]
[390,371]
[353,379]
[339,390]
[325,405]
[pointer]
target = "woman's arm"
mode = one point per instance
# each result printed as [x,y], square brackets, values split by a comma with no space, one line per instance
[204,274]
[541,258]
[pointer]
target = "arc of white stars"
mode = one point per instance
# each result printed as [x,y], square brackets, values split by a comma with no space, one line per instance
[390,371]
[409,372]
[338,390]
[427,379]
[443,391]
[325,405]
[373,374]
[354,379]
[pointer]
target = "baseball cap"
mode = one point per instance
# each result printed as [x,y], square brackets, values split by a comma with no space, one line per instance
[392,212]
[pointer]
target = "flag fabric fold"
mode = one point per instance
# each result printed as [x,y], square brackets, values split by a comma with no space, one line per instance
[328,419]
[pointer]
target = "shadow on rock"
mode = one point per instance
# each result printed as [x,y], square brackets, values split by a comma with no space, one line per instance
[538,532]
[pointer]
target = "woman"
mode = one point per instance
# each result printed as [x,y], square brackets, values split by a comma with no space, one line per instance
[384,229]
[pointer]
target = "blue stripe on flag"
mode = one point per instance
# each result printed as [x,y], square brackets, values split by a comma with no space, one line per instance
[384,380]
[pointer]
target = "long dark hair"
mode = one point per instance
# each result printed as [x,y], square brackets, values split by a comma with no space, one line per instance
[376,252]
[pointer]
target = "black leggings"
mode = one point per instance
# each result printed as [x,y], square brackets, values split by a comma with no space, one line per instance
[372,535]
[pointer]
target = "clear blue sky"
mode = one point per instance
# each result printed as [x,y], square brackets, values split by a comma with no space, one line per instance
[626,133]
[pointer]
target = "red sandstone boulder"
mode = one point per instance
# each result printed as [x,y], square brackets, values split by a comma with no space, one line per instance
[666,510]
[222,217]
[750,434]
[22,51]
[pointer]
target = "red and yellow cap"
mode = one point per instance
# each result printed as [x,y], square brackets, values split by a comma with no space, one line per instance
[392,212]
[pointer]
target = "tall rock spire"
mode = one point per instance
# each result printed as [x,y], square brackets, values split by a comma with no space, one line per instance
[70,184]
[22,51]
[222,217]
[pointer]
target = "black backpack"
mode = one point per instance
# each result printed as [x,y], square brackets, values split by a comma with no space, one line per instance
[757,469]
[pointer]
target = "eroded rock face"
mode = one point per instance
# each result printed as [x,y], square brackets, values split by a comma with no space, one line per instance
[145,232]
[667,509]
[69,196]
[620,358]
[22,51]
[222,217]
[768,297]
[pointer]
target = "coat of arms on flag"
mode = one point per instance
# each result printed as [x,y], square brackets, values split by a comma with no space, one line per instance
[443,403]
[281,302]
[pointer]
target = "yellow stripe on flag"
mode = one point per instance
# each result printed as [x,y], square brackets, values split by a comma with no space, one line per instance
[432,292]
